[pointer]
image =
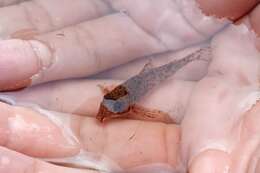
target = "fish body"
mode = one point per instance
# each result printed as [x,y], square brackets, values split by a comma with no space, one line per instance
[120,99]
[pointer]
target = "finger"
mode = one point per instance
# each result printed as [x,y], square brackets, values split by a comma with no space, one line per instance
[246,153]
[30,132]
[95,51]
[34,17]
[23,127]
[254,16]
[231,9]
[15,162]
[45,135]
[194,71]
[243,158]
[84,97]
[230,89]
[254,21]
[211,161]
[251,21]
[86,43]
[192,27]
[18,54]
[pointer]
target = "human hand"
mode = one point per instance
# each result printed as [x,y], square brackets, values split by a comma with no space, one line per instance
[136,154]
[55,35]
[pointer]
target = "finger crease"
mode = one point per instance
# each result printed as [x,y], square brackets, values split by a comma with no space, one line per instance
[48,16]
[186,19]
[28,15]
[92,52]
[149,33]
[109,5]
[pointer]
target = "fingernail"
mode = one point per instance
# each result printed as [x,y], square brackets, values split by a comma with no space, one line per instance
[55,136]
[24,34]
[210,161]
[43,52]
[45,57]
[21,60]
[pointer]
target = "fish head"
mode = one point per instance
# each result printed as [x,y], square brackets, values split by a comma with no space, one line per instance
[110,109]
[115,106]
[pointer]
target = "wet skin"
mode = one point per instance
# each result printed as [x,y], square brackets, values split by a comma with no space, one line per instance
[23,126]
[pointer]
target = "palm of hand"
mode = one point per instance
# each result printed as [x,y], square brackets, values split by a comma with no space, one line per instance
[221,139]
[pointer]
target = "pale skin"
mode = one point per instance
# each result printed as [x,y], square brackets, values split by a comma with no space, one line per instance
[27,135]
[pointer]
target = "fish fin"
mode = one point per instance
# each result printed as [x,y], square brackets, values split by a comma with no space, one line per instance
[148,66]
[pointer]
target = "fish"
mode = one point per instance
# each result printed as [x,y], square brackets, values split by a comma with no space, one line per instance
[124,96]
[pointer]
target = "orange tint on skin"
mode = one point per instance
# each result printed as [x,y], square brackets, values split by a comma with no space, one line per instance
[16,85]
[25,34]
[231,9]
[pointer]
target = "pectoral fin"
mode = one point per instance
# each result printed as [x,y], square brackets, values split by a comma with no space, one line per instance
[148,66]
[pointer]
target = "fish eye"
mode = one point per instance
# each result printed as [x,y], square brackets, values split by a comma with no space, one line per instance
[119,106]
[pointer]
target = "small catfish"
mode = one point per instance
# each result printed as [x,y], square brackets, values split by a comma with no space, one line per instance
[121,99]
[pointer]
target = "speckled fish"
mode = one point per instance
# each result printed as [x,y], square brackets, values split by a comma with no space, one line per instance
[120,100]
